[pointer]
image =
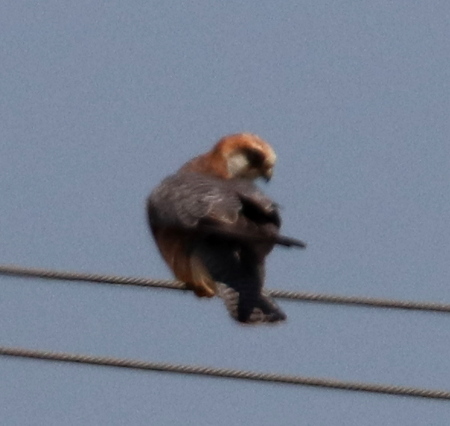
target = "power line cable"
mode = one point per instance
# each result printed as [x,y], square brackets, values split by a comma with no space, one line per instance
[224,373]
[20,271]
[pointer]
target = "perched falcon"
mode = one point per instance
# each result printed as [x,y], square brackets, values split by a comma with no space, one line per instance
[214,227]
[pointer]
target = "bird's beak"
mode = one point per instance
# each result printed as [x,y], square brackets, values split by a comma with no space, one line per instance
[267,174]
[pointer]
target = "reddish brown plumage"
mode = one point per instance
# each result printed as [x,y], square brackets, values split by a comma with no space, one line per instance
[211,224]
[214,162]
[173,245]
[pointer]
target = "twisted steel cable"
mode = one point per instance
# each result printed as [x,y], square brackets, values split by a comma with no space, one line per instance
[20,271]
[224,373]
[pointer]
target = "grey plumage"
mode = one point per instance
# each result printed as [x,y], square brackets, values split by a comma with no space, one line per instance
[231,227]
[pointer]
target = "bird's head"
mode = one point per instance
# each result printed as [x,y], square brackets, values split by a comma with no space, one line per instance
[244,155]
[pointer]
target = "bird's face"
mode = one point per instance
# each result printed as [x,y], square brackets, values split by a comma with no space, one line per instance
[247,156]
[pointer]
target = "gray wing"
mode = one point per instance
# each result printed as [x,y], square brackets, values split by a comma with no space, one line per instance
[184,199]
[226,218]
[233,208]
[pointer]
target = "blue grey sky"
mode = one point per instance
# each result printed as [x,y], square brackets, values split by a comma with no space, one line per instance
[100,100]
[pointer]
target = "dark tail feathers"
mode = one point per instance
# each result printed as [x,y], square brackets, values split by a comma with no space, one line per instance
[263,310]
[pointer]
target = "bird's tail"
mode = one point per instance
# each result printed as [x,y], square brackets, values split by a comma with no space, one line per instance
[239,274]
[251,311]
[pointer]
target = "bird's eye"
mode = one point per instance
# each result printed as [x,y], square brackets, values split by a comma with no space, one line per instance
[255,158]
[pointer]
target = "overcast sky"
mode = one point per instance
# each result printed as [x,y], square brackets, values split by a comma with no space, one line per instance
[100,100]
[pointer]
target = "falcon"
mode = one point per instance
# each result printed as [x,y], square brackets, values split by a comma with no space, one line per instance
[214,227]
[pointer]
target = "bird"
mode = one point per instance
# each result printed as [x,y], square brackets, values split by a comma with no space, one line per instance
[214,227]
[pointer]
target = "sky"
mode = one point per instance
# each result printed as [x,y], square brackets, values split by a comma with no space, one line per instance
[101,100]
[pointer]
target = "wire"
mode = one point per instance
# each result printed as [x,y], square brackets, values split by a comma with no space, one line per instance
[96,278]
[20,271]
[224,373]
